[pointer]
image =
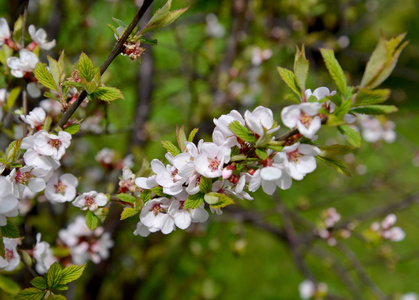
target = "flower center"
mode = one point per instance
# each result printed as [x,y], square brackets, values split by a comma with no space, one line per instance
[60,188]
[9,255]
[305,119]
[294,156]
[89,201]
[23,177]
[156,209]
[55,143]
[213,164]
[174,174]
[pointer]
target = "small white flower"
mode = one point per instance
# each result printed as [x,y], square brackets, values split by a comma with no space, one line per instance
[155,215]
[43,255]
[259,120]
[303,116]
[105,156]
[51,106]
[91,200]
[25,63]
[410,296]
[374,130]
[142,230]
[40,37]
[35,118]
[259,55]
[167,177]
[213,27]
[50,144]
[4,31]
[27,176]
[299,159]
[210,162]
[184,217]
[11,258]
[8,201]
[61,189]
[307,289]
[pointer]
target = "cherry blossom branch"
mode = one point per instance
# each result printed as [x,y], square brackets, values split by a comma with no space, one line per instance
[22,45]
[117,49]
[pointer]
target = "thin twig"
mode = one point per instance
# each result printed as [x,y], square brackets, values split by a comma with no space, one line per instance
[22,45]
[117,49]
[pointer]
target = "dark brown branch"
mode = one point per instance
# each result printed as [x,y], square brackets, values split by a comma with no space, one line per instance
[117,49]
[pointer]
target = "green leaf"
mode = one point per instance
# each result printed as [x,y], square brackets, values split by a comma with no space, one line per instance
[60,287]
[181,138]
[145,195]
[335,163]
[72,129]
[120,23]
[17,29]
[173,16]
[369,97]
[39,282]
[158,190]
[242,132]
[192,134]
[217,200]
[10,230]
[113,29]
[147,41]
[108,94]
[205,184]
[261,153]
[72,273]
[375,109]
[334,150]
[2,250]
[59,297]
[30,294]
[13,151]
[92,221]
[54,275]
[129,212]
[55,70]
[194,201]
[351,134]
[289,79]
[9,285]
[126,198]
[11,99]
[335,70]
[45,77]
[172,149]
[382,61]
[86,68]
[47,123]
[301,69]
[158,18]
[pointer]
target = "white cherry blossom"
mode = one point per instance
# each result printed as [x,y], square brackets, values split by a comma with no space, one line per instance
[25,63]
[61,188]
[4,31]
[8,201]
[259,120]
[210,162]
[155,215]
[91,200]
[50,144]
[303,116]
[184,217]
[11,258]
[167,177]
[40,37]
[35,118]
[27,177]
[43,255]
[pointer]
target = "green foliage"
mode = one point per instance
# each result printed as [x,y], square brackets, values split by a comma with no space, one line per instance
[72,273]
[375,109]
[301,66]
[242,132]
[11,99]
[368,97]
[86,68]
[181,138]
[205,184]
[194,201]
[351,135]
[13,151]
[92,221]
[218,200]
[129,212]
[382,61]
[336,164]
[335,70]
[126,198]
[261,153]
[10,230]
[334,150]
[289,78]
[172,149]
[72,129]
[108,94]
[54,275]
[31,294]
[9,285]
[45,77]
[192,134]
[39,282]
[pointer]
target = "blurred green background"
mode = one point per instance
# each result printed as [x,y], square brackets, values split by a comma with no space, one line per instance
[194,77]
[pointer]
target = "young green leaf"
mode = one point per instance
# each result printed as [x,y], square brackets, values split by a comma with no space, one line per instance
[158,190]
[335,163]
[92,221]
[242,132]
[9,285]
[10,230]
[129,212]
[334,150]
[194,201]
[351,134]
[181,138]
[172,149]
[39,282]
[261,153]
[11,99]
[335,70]
[120,23]
[192,134]
[30,294]
[72,129]
[289,79]
[205,184]
[108,94]
[44,77]
[369,97]
[72,273]
[13,151]
[55,70]
[222,200]
[126,198]
[86,68]
[375,109]
[54,275]
[145,196]
[301,69]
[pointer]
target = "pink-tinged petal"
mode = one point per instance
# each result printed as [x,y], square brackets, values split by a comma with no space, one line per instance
[270,173]
[255,181]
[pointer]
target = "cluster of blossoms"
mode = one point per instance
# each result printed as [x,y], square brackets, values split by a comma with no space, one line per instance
[84,244]
[374,130]
[386,229]
[230,166]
